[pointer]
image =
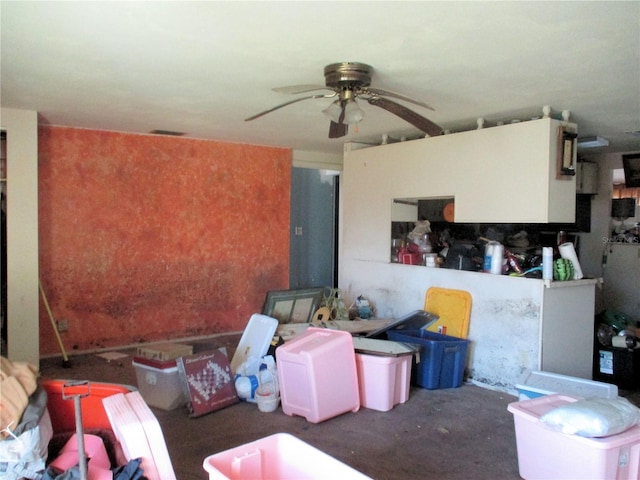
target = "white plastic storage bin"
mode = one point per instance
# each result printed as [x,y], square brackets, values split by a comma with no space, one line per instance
[277,457]
[534,384]
[159,383]
[317,374]
[255,339]
[383,381]
[544,453]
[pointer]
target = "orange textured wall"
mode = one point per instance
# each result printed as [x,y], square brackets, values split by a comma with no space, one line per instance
[146,237]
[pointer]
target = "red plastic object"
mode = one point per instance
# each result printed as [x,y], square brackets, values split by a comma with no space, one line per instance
[62,412]
[410,255]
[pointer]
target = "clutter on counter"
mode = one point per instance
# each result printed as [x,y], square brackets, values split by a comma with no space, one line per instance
[510,249]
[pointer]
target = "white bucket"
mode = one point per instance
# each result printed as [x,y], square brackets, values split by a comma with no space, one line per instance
[267,397]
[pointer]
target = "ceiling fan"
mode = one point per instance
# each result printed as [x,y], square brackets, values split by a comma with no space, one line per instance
[348,81]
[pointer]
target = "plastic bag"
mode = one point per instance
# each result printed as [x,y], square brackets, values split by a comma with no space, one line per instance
[24,452]
[268,373]
[593,417]
[247,378]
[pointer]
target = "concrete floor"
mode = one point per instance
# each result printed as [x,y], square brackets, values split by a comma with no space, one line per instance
[461,433]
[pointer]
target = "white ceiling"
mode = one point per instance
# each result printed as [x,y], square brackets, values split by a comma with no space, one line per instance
[202,67]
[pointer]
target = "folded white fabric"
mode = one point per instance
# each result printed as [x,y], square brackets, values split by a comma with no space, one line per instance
[593,417]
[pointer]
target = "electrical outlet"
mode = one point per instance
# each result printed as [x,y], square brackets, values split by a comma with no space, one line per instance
[63,325]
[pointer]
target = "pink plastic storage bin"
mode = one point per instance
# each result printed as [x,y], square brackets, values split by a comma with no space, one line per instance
[383,381]
[318,376]
[547,454]
[277,457]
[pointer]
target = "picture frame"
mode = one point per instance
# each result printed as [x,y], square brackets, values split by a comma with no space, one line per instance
[567,151]
[293,306]
[631,165]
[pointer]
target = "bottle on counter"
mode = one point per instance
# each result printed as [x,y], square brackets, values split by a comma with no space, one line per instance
[497,259]
[488,253]
[547,263]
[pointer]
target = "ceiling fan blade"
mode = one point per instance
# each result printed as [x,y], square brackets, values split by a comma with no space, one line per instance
[386,93]
[258,115]
[294,89]
[337,130]
[418,121]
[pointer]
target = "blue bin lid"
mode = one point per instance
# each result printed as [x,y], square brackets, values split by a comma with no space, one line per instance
[412,321]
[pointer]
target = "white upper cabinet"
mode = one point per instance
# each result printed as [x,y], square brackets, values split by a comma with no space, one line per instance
[505,174]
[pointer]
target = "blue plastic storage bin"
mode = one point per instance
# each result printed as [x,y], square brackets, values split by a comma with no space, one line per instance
[442,357]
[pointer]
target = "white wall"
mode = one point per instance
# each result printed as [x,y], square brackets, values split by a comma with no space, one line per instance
[507,313]
[592,244]
[22,234]
[316,160]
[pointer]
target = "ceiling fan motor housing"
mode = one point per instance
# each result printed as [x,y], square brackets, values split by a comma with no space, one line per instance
[348,75]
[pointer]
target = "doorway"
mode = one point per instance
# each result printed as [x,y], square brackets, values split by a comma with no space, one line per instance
[314,228]
[3,241]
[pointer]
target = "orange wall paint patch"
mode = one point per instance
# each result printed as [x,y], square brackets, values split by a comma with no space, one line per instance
[147,238]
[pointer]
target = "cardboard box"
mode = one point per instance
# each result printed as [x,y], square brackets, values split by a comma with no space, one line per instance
[546,453]
[164,351]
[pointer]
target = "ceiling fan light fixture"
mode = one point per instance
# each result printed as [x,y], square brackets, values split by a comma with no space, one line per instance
[352,113]
[333,111]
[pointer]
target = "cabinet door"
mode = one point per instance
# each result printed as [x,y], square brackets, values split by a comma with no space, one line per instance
[587,178]
[567,330]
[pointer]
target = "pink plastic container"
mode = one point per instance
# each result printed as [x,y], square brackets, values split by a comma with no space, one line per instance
[317,374]
[544,453]
[277,457]
[383,381]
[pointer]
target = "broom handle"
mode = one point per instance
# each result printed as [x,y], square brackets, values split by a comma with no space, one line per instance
[53,322]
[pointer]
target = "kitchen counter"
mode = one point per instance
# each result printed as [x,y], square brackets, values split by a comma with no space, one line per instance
[572,283]
[516,322]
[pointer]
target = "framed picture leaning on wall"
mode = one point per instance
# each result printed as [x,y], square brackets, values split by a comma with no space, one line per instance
[293,306]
